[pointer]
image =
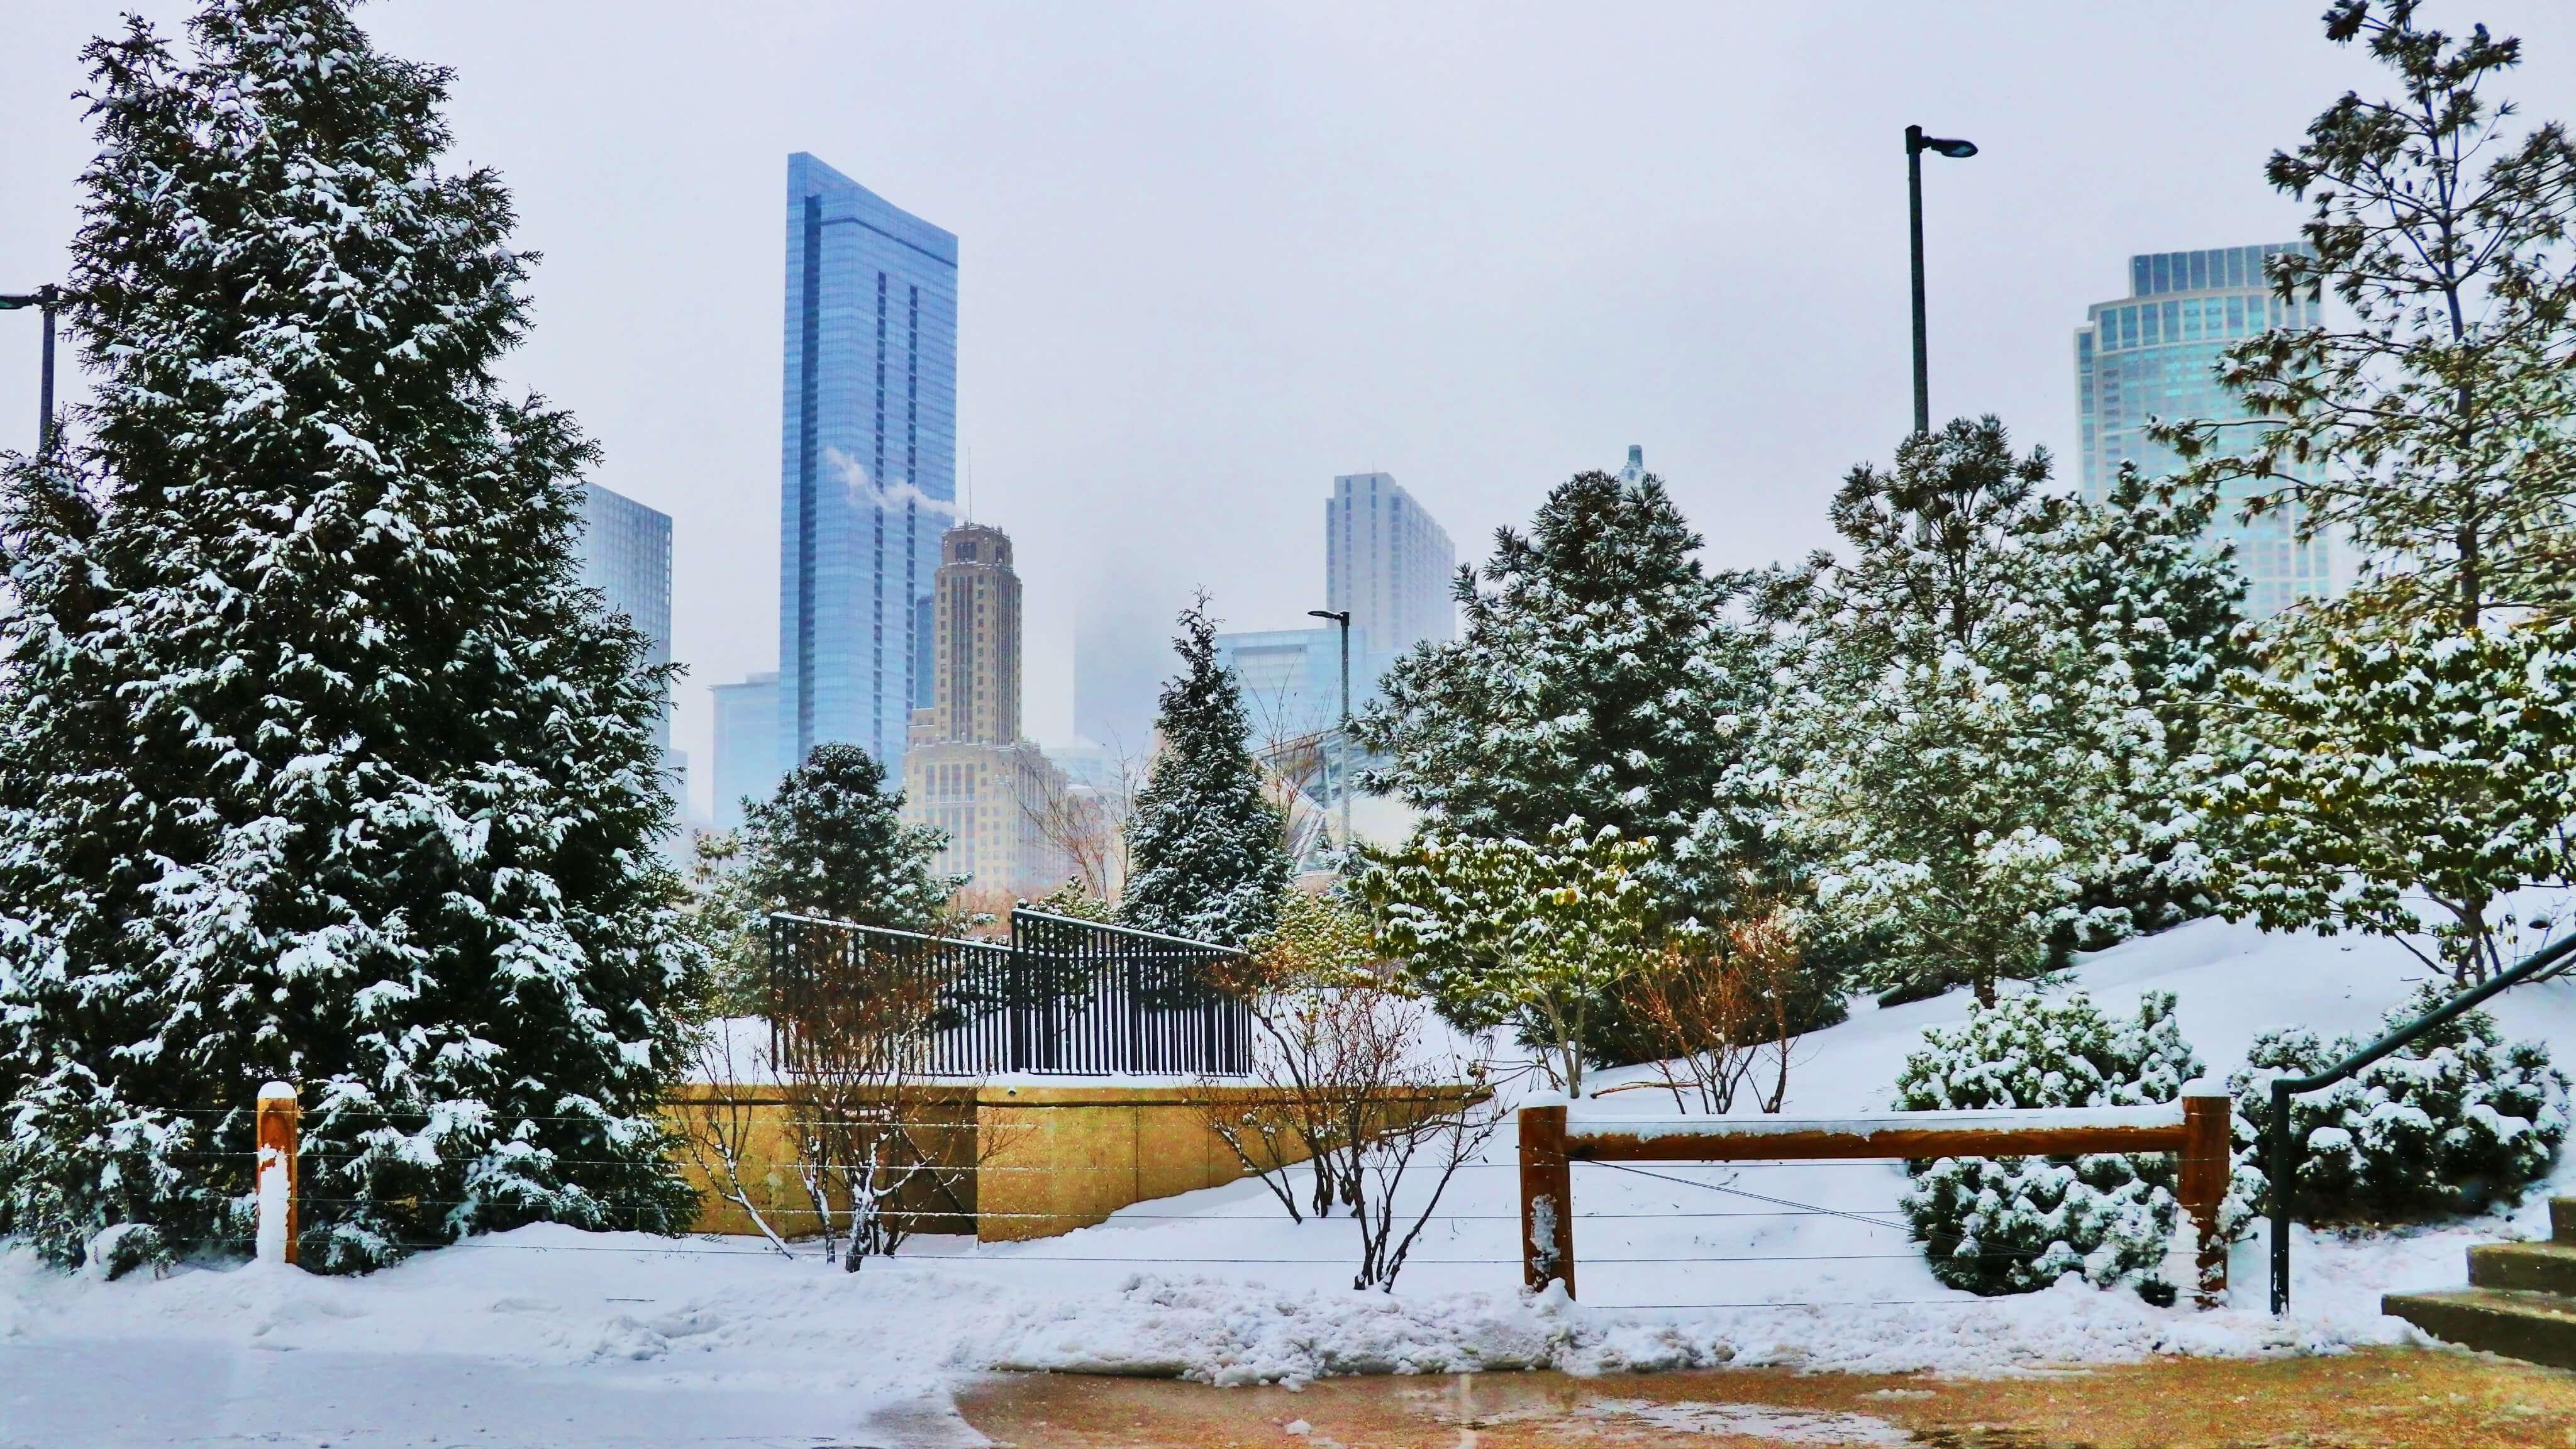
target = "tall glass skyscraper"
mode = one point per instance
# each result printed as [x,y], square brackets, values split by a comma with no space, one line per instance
[2154,355]
[625,553]
[868,462]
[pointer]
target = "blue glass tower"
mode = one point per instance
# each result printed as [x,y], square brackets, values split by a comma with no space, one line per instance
[868,462]
[2154,354]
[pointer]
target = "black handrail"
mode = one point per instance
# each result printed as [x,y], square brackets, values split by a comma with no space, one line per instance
[2537,966]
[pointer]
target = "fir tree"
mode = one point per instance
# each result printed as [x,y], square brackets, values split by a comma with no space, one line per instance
[831,842]
[317,763]
[1207,850]
[1597,676]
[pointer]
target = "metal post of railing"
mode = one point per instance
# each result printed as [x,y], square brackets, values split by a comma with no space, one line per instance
[2283,1152]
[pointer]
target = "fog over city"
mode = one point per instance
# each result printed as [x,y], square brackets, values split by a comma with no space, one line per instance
[1212,256]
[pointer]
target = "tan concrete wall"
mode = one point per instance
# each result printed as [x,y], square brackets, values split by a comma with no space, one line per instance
[1052,1158]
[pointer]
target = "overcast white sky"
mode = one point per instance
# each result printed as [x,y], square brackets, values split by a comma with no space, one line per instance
[1213,255]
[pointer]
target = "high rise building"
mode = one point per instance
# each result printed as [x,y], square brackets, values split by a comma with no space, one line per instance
[625,552]
[966,770]
[1388,563]
[2153,355]
[868,447]
[748,762]
[975,691]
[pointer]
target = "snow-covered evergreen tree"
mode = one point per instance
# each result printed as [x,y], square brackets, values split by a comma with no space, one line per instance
[2452,1122]
[1597,676]
[2430,425]
[2415,741]
[1963,756]
[2016,1224]
[832,842]
[316,763]
[1207,850]
[2392,766]
[2138,578]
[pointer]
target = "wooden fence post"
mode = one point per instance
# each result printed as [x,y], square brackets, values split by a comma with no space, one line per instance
[1547,1200]
[2206,1160]
[277,1114]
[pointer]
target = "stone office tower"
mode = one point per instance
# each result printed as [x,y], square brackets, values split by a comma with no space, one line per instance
[966,769]
[975,639]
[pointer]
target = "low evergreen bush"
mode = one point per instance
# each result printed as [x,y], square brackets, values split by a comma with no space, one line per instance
[2018,1224]
[2453,1121]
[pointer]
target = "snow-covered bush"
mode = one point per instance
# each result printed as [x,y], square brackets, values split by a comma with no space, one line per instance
[2017,1224]
[2450,1122]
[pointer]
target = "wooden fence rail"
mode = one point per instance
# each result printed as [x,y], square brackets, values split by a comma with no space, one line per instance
[2194,1129]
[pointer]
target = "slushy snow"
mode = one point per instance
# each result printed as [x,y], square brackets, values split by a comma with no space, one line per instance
[558,1336]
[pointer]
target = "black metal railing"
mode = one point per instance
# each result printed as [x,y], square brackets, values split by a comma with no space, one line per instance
[2282,1153]
[1066,996]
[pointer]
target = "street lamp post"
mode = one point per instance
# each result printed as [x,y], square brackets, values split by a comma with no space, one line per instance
[1343,618]
[1916,143]
[50,299]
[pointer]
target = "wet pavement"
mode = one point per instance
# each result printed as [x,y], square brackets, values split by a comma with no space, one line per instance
[2376,1399]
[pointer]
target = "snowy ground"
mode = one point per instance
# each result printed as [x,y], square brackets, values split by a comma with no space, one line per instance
[556,1337]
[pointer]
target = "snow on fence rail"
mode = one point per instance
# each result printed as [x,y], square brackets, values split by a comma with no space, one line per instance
[2194,1129]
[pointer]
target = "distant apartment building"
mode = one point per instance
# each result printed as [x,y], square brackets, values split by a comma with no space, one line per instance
[966,769]
[868,448]
[1388,563]
[625,553]
[2153,355]
[748,763]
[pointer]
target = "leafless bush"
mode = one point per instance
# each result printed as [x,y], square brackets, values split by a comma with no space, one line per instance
[1343,1074]
[874,1164]
[1721,1016]
[719,1124]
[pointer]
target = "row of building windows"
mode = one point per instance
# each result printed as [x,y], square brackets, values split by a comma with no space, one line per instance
[2195,319]
[2155,273]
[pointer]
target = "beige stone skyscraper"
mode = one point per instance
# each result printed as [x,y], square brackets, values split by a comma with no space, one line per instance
[975,638]
[966,770]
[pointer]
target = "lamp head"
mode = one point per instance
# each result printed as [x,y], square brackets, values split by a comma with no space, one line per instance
[1956,150]
[1338,616]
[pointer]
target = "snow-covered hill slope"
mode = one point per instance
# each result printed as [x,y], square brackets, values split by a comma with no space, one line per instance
[644,1341]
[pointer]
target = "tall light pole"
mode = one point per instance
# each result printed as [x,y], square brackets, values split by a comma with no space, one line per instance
[1343,618]
[1916,143]
[50,299]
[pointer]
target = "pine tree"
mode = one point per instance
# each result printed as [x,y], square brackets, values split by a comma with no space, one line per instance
[831,842]
[2433,427]
[1207,850]
[2416,741]
[2018,1224]
[2138,577]
[1962,759]
[1597,676]
[316,762]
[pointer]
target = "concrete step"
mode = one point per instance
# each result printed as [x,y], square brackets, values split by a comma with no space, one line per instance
[2524,1267]
[2562,1220]
[2535,1327]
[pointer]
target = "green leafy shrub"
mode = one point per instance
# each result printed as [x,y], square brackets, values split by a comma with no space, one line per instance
[2018,1224]
[2448,1124]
